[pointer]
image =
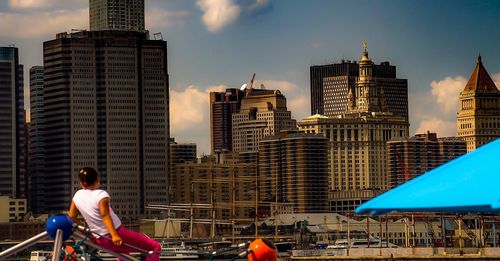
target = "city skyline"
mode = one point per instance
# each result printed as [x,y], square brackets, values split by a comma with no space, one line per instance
[434,46]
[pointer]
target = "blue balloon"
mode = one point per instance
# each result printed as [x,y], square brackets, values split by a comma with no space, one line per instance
[62,222]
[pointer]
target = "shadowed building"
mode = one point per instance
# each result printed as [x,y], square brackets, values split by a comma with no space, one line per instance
[106,106]
[13,177]
[262,113]
[332,83]
[293,170]
[478,119]
[222,107]
[116,15]
[36,146]
[411,157]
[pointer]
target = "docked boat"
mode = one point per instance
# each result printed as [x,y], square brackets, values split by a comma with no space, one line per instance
[177,252]
[360,243]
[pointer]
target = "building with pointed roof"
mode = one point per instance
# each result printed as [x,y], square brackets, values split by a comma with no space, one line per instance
[478,118]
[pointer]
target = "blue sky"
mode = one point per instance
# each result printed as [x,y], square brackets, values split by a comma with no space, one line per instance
[214,44]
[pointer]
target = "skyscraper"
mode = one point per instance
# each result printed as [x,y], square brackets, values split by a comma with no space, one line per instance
[332,83]
[12,128]
[357,147]
[262,113]
[408,158]
[116,15]
[36,133]
[222,107]
[106,106]
[293,170]
[478,119]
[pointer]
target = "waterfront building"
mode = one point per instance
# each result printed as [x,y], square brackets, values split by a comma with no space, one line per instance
[293,170]
[408,158]
[222,182]
[12,209]
[478,118]
[332,83]
[13,176]
[106,106]
[179,153]
[262,113]
[222,107]
[36,137]
[357,147]
[125,15]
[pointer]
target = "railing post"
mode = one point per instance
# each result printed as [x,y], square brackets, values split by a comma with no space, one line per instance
[23,245]
[56,252]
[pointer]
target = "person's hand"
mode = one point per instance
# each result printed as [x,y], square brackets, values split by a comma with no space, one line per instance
[117,240]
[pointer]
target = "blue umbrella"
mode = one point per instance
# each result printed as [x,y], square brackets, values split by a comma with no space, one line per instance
[467,184]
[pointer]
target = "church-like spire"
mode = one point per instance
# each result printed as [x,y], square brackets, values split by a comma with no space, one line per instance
[480,80]
[365,57]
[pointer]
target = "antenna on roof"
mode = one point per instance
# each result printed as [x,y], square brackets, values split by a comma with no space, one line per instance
[158,36]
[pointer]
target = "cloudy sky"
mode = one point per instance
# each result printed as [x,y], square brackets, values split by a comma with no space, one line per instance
[215,44]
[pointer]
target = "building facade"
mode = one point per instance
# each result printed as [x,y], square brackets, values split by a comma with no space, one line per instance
[331,85]
[179,153]
[478,118]
[408,158]
[293,170]
[36,134]
[222,107]
[12,210]
[356,154]
[12,125]
[357,148]
[116,15]
[228,185]
[262,113]
[106,106]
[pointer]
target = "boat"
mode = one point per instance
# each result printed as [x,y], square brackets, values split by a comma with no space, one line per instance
[360,243]
[177,252]
[40,255]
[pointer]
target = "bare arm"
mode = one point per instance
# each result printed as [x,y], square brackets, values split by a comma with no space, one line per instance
[108,222]
[73,212]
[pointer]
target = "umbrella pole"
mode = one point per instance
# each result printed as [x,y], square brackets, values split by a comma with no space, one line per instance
[443,232]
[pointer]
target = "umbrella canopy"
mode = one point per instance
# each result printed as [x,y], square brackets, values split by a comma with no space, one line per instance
[470,183]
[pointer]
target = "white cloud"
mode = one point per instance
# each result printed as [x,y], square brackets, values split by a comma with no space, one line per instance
[436,110]
[447,91]
[496,79]
[217,14]
[444,128]
[190,115]
[43,24]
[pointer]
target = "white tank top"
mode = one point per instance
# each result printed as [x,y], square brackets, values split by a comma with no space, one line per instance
[87,203]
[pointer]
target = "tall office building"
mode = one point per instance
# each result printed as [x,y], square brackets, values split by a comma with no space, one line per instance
[357,148]
[408,158]
[262,113]
[106,106]
[478,119]
[222,107]
[331,85]
[293,170]
[36,145]
[12,125]
[116,15]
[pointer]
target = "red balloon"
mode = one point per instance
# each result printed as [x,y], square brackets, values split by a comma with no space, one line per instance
[262,250]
